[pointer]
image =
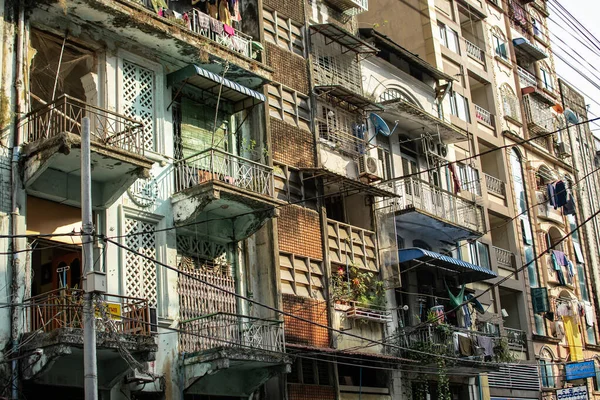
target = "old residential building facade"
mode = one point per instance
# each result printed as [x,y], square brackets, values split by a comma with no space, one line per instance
[309,199]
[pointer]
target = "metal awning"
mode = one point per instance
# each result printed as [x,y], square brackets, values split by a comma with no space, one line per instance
[347,185]
[211,82]
[348,96]
[528,49]
[345,38]
[467,272]
[415,121]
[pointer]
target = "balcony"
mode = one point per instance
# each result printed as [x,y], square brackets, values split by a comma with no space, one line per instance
[241,350]
[517,339]
[53,152]
[495,186]
[352,7]
[538,115]
[179,39]
[235,192]
[526,78]
[436,213]
[56,327]
[475,53]
[340,140]
[528,51]
[504,258]
[483,115]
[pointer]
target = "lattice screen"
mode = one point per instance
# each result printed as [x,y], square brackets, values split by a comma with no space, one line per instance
[138,99]
[140,273]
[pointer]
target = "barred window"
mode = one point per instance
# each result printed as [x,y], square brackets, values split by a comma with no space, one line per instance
[283,32]
[510,104]
[289,105]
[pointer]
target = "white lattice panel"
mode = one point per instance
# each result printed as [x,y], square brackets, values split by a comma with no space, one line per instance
[138,99]
[140,273]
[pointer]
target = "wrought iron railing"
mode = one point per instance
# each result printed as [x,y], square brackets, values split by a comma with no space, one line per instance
[538,115]
[475,52]
[217,165]
[231,330]
[526,78]
[207,26]
[368,312]
[340,140]
[336,69]
[495,185]
[515,337]
[504,258]
[421,195]
[65,114]
[483,115]
[63,308]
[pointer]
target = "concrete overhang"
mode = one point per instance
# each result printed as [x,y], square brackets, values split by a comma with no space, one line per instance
[50,356]
[51,170]
[433,226]
[236,372]
[222,210]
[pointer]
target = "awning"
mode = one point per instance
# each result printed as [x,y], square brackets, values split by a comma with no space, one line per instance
[467,272]
[345,38]
[211,82]
[528,49]
[348,96]
[342,183]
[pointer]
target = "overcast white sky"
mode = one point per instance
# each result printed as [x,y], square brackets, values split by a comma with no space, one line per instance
[588,13]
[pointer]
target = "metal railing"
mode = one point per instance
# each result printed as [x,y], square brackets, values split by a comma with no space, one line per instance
[231,330]
[332,67]
[63,308]
[217,165]
[341,140]
[504,258]
[421,195]
[475,52]
[515,337]
[65,114]
[483,115]
[495,185]
[207,26]
[526,78]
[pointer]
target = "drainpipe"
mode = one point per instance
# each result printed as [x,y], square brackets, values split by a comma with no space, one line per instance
[16,261]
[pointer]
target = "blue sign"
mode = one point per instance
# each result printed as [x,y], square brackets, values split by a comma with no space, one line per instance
[580,370]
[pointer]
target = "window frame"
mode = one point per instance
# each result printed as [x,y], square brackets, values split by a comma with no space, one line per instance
[285,37]
[289,105]
[500,47]
[445,33]
[455,109]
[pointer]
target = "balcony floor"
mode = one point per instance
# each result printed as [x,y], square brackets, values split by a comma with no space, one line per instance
[232,371]
[52,170]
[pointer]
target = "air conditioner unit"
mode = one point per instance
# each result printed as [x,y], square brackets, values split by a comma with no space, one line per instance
[368,167]
[562,150]
[443,150]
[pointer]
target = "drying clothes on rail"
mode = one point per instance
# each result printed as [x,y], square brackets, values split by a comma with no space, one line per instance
[573,338]
[487,344]
[569,207]
[216,26]
[565,309]
[560,194]
[465,345]
[590,315]
[202,21]
[224,13]
[557,267]
[228,30]
[212,8]
[455,178]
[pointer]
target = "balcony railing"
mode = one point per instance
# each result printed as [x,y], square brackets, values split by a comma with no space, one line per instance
[475,52]
[231,330]
[526,78]
[65,114]
[216,165]
[366,312]
[483,115]
[336,69]
[515,337]
[495,185]
[63,308]
[538,115]
[421,195]
[211,28]
[340,140]
[504,258]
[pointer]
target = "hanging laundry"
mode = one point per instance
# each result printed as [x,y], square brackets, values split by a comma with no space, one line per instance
[158,5]
[570,269]
[487,344]
[560,194]
[465,345]
[202,21]
[216,26]
[455,178]
[556,266]
[590,315]
[212,9]
[235,14]
[224,14]
[573,338]
[551,193]
[228,30]
[559,327]
[561,257]
[569,207]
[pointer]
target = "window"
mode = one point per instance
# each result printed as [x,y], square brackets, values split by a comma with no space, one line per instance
[301,276]
[309,372]
[449,38]
[546,373]
[479,254]
[510,105]
[289,105]
[283,32]
[140,272]
[459,106]
[538,28]
[469,178]
[391,94]
[500,47]
[137,94]
[546,77]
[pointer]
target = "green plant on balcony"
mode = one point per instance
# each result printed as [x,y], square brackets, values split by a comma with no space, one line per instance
[502,353]
[356,285]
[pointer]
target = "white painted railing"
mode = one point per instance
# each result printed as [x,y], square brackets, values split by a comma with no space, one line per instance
[495,185]
[526,78]
[504,258]
[483,115]
[475,52]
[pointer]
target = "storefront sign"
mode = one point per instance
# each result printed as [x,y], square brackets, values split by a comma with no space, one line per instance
[574,393]
[580,370]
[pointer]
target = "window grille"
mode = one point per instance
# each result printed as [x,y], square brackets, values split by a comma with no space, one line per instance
[140,272]
[138,99]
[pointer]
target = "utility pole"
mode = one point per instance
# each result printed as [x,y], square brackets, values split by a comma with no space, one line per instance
[90,367]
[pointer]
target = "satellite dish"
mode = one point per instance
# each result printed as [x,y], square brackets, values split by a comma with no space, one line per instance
[558,108]
[381,128]
[571,116]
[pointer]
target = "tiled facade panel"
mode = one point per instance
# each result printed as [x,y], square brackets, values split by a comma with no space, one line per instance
[310,392]
[289,69]
[291,145]
[300,332]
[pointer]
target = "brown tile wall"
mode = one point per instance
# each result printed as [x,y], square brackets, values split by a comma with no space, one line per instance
[299,231]
[310,392]
[304,333]
[289,68]
[291,145]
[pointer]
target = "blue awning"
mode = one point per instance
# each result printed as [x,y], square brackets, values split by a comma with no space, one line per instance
[211,82]
[528,49]
[467,272]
